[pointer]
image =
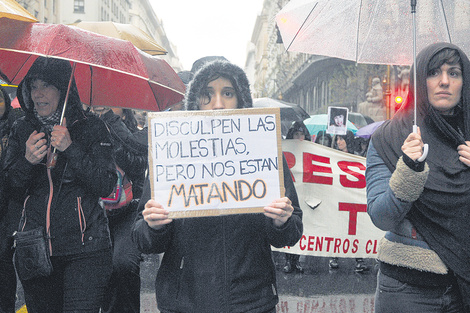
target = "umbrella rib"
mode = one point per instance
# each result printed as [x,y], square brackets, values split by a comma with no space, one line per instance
[357,32]
[302,25]
[445,21]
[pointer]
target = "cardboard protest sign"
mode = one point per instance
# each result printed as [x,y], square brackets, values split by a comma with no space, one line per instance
[210,163]
[331,187]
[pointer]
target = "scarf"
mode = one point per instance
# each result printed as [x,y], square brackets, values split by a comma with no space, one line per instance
[48,122]
[442,212]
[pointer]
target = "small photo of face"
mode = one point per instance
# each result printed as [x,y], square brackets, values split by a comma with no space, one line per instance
[339,120]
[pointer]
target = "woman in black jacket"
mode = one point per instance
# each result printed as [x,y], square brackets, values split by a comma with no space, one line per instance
[218,264]
[7,218]
[62,200]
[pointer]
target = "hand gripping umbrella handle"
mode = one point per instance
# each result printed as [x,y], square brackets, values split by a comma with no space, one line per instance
[52,158]
[425,147]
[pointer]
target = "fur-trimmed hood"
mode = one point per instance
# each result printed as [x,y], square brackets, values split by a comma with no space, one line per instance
[213,70]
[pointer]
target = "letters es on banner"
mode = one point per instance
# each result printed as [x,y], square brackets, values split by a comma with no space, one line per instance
[210,163]
[331,187]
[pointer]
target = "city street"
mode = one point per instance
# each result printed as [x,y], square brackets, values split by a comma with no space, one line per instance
[318,289]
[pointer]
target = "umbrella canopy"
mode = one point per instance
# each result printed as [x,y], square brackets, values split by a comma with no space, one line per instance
[368,130]
[290,112]
[109,71]
[320,122]
[372,31]
[128,32]
[12,10]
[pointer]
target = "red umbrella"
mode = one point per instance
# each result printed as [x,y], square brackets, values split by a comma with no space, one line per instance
[109,71]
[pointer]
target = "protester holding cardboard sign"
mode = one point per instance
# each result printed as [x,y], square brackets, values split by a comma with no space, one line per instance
[223,263]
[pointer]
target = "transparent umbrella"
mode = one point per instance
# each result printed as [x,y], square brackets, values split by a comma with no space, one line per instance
[372,31]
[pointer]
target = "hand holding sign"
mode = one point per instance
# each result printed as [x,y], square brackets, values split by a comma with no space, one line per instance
[279,210]
[211,163]
[155,214]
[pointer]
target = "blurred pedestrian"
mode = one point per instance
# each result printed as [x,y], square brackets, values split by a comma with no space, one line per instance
[223,263]
[130,154]
[361,144]
[62,200]
[323,138]
[9,218]
[299,131]
[423,205]
[345,143]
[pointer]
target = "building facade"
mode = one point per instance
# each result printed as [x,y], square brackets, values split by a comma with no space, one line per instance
[136,12]
[314,82]
[46,11]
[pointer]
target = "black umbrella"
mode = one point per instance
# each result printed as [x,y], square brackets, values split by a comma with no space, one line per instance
[290,112]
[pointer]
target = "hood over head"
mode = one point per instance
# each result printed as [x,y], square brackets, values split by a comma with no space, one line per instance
[298,126]
[55,72]
[6,96]
[210,72]
[201,61]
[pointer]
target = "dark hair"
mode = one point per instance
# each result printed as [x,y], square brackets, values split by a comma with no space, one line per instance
[336,112]
[6,96]
[203,94]
[56,72]
[321,136]
[445,56]
[349,138]
[129,120]
[298,126]
[211,71]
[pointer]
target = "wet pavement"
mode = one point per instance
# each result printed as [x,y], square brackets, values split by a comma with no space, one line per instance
[318,289]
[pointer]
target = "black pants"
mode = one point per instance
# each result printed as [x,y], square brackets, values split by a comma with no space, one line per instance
[123,294]
[77,284]
[7,279]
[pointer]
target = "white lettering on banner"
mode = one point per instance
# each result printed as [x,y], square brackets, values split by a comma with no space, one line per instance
[327,304]
[215,162]
[338,225]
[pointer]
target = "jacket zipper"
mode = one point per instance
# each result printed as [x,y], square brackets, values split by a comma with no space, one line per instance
[81,219]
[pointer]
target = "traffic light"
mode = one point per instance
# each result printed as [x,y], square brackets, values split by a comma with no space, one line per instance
[398,100]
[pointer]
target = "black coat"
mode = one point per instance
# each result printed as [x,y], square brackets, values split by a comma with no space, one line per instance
[130,150]
[82,175]
[218,264]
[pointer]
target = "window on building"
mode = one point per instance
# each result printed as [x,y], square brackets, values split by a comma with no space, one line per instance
[45,20]
[36,14]
[79,6]
[45,3]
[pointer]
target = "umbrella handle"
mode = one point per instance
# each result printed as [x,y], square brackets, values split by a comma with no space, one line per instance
[425,147]
[52,159]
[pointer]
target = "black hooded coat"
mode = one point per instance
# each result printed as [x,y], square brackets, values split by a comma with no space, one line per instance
[219,264]
[441,214]
[83,172]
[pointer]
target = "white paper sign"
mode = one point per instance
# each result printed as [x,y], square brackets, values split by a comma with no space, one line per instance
[331,187]
[205,163]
